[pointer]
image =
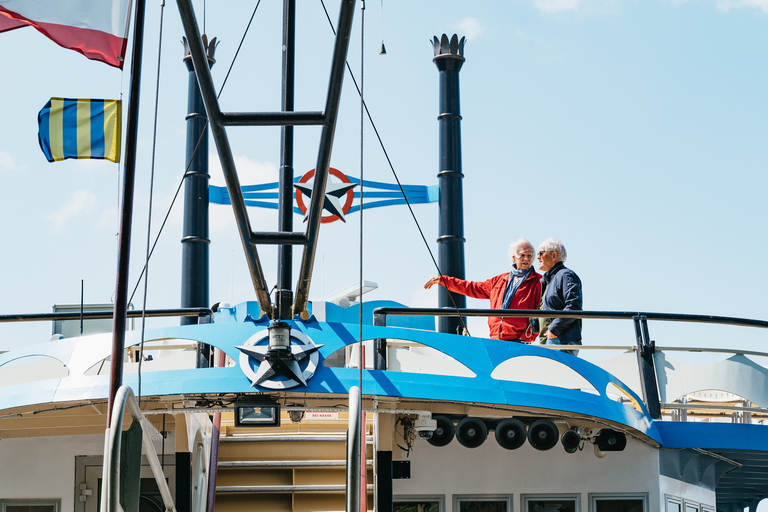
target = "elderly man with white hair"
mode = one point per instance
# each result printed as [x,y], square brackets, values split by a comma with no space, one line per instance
[518,289]
[561,291]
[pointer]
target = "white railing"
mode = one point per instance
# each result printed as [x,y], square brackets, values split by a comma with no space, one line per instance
[110,497]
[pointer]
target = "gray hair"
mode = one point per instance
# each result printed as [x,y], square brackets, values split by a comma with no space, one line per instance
[520,241]
[554,245]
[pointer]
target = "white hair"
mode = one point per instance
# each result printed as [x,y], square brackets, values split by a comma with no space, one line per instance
[520,242]
[554,245]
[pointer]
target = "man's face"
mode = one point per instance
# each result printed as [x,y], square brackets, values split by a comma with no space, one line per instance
[546,259]
[523,257]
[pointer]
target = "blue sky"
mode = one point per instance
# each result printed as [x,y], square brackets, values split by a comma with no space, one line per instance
[632,130]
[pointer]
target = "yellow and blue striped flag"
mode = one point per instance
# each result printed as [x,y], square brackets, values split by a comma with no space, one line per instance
[80,128]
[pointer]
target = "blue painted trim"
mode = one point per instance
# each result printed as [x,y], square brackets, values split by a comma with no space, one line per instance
[481,356]
[713,436]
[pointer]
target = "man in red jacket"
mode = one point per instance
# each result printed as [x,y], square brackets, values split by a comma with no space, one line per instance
[518,289]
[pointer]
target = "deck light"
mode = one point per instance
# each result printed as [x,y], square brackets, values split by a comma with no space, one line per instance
[471,432]
[257,414]
[542,434]
[444,432]
[571,440]
[510,433]
[611,441]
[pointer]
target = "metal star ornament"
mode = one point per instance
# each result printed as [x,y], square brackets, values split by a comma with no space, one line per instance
[281,362]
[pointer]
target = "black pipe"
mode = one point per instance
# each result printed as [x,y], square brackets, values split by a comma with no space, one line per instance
[126,210]
[449,57]
[195,241]
[284,296]
[98,315]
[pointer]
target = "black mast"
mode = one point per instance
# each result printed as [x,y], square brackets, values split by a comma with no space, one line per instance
[284,297]
[126,211]
[449,57]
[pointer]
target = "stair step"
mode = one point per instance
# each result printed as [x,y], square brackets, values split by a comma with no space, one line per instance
[246,464]
[317,438]
[269,489]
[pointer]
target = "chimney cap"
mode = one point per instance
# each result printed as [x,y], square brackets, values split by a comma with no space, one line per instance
[445,47]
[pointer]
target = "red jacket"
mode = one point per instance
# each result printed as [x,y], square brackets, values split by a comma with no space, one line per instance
[527,296]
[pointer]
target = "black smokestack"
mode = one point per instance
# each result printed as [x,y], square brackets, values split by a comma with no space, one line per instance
[194,242]
[449,57]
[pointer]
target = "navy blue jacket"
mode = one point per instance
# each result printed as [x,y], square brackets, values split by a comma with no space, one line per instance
[561,289]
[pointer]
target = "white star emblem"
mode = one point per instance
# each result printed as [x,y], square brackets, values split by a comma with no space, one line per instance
[286,363]
[333,194]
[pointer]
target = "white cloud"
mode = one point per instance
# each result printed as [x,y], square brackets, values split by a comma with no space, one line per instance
[727,5]
[81,202]
[470,28]
[249,171]
[556,6]
[7,163]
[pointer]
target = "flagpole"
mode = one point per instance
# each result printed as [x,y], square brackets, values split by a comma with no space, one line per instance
[126,211]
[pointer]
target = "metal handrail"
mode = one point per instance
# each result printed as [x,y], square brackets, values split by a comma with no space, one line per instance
[110,498]
[646,347]
[607,315]
[97,315]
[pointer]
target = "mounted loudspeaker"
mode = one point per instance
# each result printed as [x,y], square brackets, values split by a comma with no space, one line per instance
[543,434]
[570,441]
[611,441]
[510,433]
[444,432]
[471,432]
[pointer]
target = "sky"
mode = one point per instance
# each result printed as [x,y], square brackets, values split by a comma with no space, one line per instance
[631,130]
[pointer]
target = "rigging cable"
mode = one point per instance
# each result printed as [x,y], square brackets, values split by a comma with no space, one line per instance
[194,152]
[392,168]
[151,191]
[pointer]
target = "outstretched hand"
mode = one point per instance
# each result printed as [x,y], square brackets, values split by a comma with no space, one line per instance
[432,282]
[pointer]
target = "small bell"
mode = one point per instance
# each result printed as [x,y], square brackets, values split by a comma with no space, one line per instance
[383,50]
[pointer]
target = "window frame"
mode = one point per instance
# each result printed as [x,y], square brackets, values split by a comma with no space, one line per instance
[28,502]
[690,503]
[525,498]
[404,498]
[668,498]
[595,497]
[456,499]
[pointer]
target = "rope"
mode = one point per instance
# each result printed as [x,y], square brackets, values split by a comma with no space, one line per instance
[192,157]
[392,168]
[151,191]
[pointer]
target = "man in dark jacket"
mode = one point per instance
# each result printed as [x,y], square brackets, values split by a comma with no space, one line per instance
[560,291]
[518,289]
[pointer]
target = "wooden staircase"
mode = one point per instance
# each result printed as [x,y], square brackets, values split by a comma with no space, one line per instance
[297,467]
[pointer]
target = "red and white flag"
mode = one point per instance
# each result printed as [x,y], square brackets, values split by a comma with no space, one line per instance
[96,28]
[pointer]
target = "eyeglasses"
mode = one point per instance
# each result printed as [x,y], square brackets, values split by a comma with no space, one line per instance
[542,253]
[525,256]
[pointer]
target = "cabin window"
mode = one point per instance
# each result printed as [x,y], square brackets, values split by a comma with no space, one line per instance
[43,505]
[551,503]
[674,504]
[618,502]
[485,503]
[419,504]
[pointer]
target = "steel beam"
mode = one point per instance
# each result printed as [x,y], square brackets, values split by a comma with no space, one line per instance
[346,14]
[272,118]
[215,118]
